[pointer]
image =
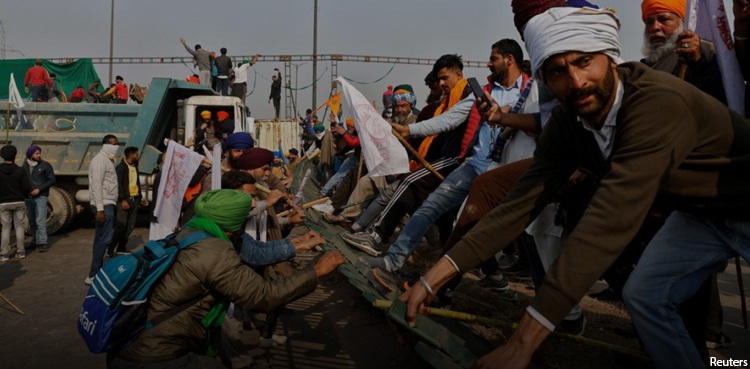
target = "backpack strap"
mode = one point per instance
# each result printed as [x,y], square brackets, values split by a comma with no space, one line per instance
[176,310]
[192,238]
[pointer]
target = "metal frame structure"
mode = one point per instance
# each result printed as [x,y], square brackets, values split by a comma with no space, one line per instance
[289,102]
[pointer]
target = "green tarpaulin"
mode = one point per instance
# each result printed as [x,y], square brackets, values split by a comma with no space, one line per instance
[69,76]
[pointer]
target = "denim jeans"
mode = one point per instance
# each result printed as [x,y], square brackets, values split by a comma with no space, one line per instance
[222,86]
[102,237]
[449,194]
[681,256]
[37,209]
[11,214]
[349,164]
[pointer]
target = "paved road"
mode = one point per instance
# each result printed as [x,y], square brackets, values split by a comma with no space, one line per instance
[331,328]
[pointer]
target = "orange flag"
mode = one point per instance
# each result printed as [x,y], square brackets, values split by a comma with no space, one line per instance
[334,103]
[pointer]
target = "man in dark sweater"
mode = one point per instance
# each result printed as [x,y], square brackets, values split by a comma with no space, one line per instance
[129,195]
[41,178]
[14,186]
[275,92]
[224,66]
[642,133]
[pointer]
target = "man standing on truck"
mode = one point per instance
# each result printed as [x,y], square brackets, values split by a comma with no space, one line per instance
[276,92]
[129,195]
[224,66]
[202,61]
[120,91]
[41,178]
[103,192]
[38,78]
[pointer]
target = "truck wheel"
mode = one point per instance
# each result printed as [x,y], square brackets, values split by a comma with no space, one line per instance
[60,206]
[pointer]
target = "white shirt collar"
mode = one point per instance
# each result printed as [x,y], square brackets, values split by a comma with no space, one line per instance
[605,136]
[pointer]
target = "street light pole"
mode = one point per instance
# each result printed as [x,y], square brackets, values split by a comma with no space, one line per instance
[315,56]
[296,79]
[111,39]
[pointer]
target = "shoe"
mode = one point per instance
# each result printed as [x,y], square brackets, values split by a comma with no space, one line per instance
[374,262]
[333,219]
[88,281]
[363,241]
[524,275]
[4,258]
[495,283]
[43,247]
[21,254]
[598,287]
[516,268]
[722,342]
[123,252]
[506,261]
[32,246]
[573,327]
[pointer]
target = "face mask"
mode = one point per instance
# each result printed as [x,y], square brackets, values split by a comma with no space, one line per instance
[111,150]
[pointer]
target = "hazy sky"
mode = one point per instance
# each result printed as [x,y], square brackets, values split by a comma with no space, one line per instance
[149,28]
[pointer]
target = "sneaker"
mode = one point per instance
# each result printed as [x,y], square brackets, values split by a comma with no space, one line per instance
[573,327]
[495,283]
[32,246]
[374,262]
[523,275]
[722,342]
[516,268]
[88,281]
[43,247]
[21,254]
[333,219]
[123,252]
[4,258]
[363,241]
[506,261]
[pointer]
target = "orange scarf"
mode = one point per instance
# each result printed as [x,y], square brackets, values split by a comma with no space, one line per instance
[454,97]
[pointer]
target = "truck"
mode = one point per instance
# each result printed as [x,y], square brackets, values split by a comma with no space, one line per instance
[71,135]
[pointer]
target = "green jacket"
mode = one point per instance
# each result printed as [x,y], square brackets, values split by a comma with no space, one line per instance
[670,139]
[210,266]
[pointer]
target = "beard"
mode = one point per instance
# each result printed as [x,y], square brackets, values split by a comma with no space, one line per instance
[655,53]
[601,92]
[400,119]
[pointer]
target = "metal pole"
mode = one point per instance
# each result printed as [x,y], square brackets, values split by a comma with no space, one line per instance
[315,55]
[111,39]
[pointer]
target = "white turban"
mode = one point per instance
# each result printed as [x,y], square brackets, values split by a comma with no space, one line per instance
[560,30]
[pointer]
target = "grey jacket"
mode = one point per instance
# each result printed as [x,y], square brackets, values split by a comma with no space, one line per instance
[202,57]
[102,181]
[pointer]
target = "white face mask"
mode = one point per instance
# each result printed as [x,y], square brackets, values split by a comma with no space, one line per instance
[110,149]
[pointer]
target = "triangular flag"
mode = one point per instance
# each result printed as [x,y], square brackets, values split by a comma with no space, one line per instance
[335,103]
[13,95]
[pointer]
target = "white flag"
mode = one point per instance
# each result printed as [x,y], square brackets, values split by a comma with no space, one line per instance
[14,97]
[383,153]
[709,19]
[179,167]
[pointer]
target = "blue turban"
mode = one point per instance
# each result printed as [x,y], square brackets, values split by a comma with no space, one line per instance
[240,141]
[404,95]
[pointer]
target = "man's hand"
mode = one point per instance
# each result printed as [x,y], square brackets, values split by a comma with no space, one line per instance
[274,196]
[182,40]
[100,217]
[491,111]
[688,46]
[26,89]
[308,241]
[516,352]
[417,297]
[35,192]
[296,216]
[401,130]
[340,130]
[125,204]
[328,263]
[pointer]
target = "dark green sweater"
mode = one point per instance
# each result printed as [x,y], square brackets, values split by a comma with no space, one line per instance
[671,139]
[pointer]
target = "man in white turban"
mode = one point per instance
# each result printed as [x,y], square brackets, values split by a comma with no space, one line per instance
[642,133]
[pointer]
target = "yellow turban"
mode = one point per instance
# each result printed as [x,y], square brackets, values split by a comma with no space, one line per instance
[205,114]
[651,7]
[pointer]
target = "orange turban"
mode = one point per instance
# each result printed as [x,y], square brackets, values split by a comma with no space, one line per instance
[350,122]
[651,7]
[221,115]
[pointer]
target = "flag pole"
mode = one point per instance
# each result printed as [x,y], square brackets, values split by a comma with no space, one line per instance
[421,160]
[7,125]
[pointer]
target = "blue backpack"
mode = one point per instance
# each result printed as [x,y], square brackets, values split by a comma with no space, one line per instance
[113,313]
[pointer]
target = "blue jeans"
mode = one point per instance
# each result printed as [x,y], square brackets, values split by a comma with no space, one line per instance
[450,194]
[37,209]
[102,237]
[681,256]
[349,164]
